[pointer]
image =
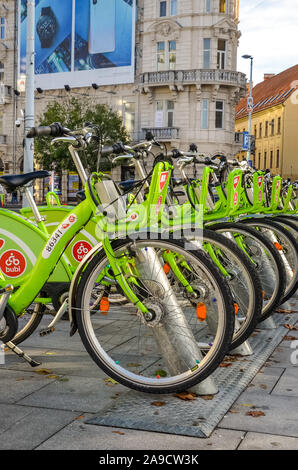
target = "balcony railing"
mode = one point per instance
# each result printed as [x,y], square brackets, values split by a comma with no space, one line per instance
[162,133]
[186,77]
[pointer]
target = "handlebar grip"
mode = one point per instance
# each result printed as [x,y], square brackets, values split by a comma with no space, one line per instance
[54,130]
[116,148]
[176,153]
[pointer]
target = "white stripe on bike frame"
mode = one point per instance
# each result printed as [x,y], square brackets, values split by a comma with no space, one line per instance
[21,244]
[83,232]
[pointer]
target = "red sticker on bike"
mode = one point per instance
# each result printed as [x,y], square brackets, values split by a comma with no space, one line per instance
[260,196]
[235,200]
[13,263]
[260,181]
[277,190]
[163,179]
[2,243]
[236,181]
[158,205]
[80,250]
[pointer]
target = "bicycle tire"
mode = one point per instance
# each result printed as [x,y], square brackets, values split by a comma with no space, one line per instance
[138,382]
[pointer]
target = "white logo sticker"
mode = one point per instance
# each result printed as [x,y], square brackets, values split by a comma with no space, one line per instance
[61,230]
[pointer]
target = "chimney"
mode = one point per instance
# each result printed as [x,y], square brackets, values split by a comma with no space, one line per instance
[267,76]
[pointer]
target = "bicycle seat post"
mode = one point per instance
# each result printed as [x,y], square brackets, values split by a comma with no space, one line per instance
[38,218]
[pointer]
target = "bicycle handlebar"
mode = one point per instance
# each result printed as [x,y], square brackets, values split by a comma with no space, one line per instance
[54,130]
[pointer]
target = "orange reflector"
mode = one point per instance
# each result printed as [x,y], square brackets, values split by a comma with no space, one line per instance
[166,268]
[201,311]
[263,294]
[236,307]
[104,305]
[278,246]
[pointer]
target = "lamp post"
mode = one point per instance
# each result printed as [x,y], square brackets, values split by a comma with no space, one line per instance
[250,104]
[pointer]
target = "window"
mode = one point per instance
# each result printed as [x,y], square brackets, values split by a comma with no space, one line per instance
[219,115]
[164,115]
[266,129]
[1,72]
[221,54]
[173,7]
[129,116]
[161,63]
[265,160]
[222,6]
[271,159]
[205,114]
[163,9]
[255,131]
[279,125]
[277,159]
[259,165]
[272,126]
[207,53]
[2,28]
[172,55]
[260,130]
[208,6]
[166,60]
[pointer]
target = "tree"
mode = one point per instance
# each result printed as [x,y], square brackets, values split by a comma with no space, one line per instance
[74,113]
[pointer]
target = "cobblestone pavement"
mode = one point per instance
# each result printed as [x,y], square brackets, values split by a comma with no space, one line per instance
[47,407]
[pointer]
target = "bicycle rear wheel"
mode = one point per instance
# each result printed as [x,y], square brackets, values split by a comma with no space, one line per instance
[185,334]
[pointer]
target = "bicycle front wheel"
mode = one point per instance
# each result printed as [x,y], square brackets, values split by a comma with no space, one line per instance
[187,330]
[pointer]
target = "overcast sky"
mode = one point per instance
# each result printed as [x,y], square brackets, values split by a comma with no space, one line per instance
[270,34]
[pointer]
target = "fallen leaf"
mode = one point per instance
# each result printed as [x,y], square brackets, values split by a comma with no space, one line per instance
[43,371]
[291,327]
[79,417]
[110,381]
[158,403]
[52,376]
[119,432]
[225,364]
[207,397]
[263,386]
[255,414]
[289,338]
[186,396]
[234,411]
[132,364]
[51,353]
[161,373]
[19,380]
[246,404]
[281,310]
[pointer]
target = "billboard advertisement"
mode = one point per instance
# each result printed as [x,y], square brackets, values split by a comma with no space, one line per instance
[80,42]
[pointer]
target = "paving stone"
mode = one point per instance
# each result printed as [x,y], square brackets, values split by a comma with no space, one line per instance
[265,380]
[15,385]
[281,415]
[258,441]
[76,394]
[288,384]
[10,414]
[81,436]
[34,427]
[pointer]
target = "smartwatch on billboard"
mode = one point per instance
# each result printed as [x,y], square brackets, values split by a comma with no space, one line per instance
[46,27]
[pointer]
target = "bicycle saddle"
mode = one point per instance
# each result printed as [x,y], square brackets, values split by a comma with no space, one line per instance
[12,182]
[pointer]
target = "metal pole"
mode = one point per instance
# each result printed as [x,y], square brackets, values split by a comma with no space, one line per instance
[30,70]
[250,104]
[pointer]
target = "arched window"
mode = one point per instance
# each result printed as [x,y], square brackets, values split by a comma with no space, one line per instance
[1,72]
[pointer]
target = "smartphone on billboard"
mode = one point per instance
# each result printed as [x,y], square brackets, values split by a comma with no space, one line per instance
[102,27]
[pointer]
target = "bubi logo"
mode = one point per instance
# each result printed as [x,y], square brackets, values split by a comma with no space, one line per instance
[80,250]
[2,243]
[163,179]
[260,181]
[12,263]
[236,181]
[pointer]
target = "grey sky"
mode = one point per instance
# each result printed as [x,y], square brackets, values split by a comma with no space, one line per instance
[270,34]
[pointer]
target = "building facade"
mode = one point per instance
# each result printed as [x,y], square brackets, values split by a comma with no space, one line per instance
[186,81]
[274,123]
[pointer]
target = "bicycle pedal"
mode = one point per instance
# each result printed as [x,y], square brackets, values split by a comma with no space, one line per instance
[46,331]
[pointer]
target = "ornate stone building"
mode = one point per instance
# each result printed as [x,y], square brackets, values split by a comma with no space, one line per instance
[186,82]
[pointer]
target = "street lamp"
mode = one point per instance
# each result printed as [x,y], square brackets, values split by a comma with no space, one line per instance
[250,105]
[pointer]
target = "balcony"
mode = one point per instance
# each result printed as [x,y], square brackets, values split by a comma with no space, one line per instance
[165,134]
[5,93]
[192,77]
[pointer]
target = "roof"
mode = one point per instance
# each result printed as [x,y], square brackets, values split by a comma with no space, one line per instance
[270,92]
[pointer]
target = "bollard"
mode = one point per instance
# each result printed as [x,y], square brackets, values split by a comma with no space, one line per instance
[268,324]
[176,349]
